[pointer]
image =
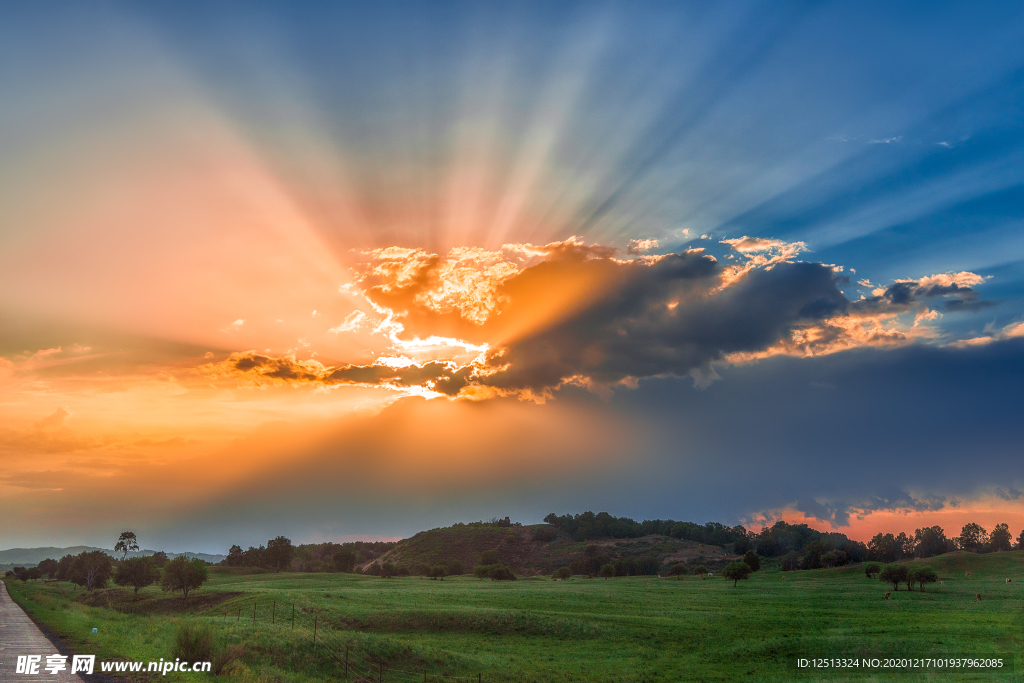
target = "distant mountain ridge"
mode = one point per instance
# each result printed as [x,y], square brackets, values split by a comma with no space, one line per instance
[30,557]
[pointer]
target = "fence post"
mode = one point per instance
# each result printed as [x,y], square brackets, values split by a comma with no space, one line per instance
[239,617]
[273,614]
[314,630]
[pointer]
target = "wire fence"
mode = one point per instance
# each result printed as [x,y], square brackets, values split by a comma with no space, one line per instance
[352,664]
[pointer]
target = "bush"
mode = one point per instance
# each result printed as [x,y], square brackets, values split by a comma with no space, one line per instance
[223,659]
[489,557]
[871,569]
[679,570]
[607,570]
[455,568]
[481,571]
[752,560]
[500,572]
[545,534]
[192,642]
[701,571]
[562,573]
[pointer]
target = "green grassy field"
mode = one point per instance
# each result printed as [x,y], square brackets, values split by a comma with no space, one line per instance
[622,629]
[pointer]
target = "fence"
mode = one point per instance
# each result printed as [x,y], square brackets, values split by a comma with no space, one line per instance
[355,667]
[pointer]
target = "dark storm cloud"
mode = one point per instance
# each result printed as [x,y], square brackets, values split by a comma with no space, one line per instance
[672,318]
[908,294]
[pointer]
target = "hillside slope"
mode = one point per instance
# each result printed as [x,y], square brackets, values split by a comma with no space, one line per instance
[521,548]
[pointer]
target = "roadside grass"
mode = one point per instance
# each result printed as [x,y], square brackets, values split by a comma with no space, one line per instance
[619,629]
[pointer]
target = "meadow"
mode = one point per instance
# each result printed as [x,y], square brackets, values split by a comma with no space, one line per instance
[584,629]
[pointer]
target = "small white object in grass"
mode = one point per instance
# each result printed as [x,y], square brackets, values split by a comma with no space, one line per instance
[95,630]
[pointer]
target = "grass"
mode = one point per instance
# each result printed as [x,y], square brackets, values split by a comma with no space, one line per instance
[622,629]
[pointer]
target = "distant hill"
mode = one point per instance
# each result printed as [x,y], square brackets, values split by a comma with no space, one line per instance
[30,557]
[538,549]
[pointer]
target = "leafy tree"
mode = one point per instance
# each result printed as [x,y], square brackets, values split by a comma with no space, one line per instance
[1020,540]
[923,575]
[48,567]
[972,536]
[562,573]
[28,574]
[736,571]
[871,569]
[608,570]
[438,571]
[126,543]
[790,562]
[931,541]
[184,575]
[701,571]
[742,545]
[499,572]
[137,573]
[344,560]
[489,557]
[833,558]
[160,558]
[679,570]
[1000,539]
[280,552]
[235,558]
[64,567]
[752,560]
[894,574]
[481,571]
[388,570]
[90,569]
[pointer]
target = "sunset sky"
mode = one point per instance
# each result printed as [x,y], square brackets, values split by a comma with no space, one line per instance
[353,270]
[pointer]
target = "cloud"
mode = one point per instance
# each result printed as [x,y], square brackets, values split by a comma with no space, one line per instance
[528,319]
[55,420]
[640,246]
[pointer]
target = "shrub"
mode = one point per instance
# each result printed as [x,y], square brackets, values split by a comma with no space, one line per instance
[500,572]
[223,659]
[607,570]
[562,573]
[871,569]
[701,571]
[752,560]
[545,534]
[192,642]
[455,568]
[679,570]
[489,557]
[481,571]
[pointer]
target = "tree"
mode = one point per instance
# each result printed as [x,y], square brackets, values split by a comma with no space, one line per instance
[871,569]
[499,572]
[455,568]
[883,547]
[972,536]
[752,560]
[236,557]
[344,560]
[1000,539]
[742,545]
[137,573]
[931,541]
[834,558]
[608,570]
[160,558]
[701,571]
[90,569]
[736,571]
[481,571]
[184,575]
[48,567]
[438,571]
[126,543]
[894,574]
[679,570]
[388,570]
[280,552]
[562,573]
[923,575]
[489,557]
[1020,540]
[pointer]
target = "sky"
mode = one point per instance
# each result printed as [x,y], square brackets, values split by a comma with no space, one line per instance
[345,271]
